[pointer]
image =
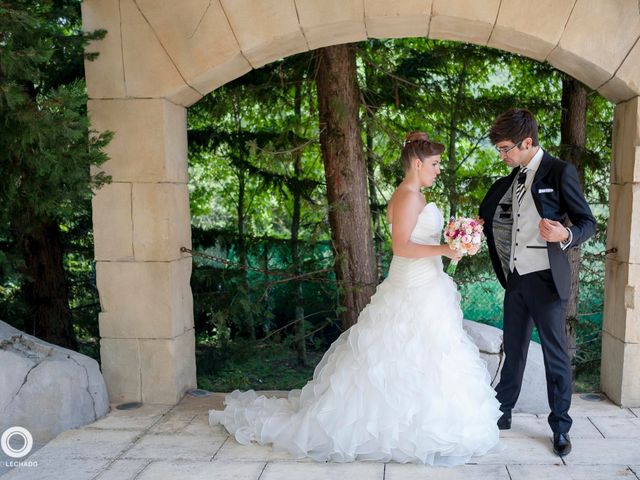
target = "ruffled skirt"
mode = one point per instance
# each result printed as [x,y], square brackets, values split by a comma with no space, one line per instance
[405,384]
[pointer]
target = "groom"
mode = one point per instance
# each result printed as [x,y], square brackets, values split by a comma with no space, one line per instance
[524,214]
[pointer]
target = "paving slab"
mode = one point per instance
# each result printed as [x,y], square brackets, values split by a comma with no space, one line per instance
[522,451]
[582,428]
[174,447]
[86,443]
[234,451]
[134,419]
[203,471]
[604,408]
[197,405]
[603,451]
[172,422]
[199,426]
[123,469]
[569,472]
[323,471]
[618,427]
[394,471]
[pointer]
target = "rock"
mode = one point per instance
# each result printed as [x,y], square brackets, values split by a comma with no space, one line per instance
[487,338]
[533,396]
[45,388]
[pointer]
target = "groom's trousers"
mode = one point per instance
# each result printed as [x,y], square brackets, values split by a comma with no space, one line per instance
[533,299]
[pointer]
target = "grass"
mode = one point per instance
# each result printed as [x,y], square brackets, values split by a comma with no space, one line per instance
[246,365]
[588,381]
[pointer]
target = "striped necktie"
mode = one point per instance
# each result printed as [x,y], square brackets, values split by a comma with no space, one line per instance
[521,187]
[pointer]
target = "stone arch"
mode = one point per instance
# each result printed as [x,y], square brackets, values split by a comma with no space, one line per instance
[160,56]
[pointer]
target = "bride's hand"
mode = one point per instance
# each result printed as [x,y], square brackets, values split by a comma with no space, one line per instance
[451,253]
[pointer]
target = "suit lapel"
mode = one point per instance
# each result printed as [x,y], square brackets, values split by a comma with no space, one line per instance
[543,168]
[490,203]
[502,189]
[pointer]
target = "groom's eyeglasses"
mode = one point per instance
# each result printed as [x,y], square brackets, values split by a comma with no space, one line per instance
[505,150]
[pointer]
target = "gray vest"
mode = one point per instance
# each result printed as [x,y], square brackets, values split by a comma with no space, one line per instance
[528,250]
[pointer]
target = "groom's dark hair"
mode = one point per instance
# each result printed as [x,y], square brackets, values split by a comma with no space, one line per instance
[514,125]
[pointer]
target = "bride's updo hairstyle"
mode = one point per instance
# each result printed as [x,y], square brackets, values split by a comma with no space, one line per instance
[418,145]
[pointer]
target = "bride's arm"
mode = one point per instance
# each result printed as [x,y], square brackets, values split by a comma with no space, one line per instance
[406,208]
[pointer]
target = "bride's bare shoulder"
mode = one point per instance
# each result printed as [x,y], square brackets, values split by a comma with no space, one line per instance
[404,200]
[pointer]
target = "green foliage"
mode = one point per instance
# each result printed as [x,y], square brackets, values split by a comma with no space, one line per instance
[46,152]
[225,296]
[248,130]
[47,147]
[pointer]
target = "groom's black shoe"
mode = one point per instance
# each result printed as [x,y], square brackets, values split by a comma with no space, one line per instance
[561,444]
[504,422]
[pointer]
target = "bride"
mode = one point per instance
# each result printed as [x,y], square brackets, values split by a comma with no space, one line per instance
[405,383]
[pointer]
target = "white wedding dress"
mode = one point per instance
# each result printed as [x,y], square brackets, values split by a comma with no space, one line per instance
[405,383]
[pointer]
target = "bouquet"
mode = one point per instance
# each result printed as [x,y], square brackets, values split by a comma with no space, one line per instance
[464,235]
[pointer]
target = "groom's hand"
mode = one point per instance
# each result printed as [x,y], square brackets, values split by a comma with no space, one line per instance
[553,231]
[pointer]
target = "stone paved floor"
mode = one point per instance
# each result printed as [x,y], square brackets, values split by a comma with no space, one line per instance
[175,442]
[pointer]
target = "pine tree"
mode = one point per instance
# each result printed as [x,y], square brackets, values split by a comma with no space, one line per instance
[46,150]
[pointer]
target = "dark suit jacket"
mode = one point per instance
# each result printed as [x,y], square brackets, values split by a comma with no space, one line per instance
[562,197]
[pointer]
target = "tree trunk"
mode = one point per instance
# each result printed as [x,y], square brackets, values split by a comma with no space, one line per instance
[242,252]
[573,125]
[452,173]
[345,173]
[46,291]
[451,168]
[298,301]
[378,241]
[242,249]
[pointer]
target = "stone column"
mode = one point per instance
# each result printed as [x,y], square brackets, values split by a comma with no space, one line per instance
[621,329]
[140,222]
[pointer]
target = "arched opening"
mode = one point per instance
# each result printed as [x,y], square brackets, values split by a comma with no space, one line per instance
[161,57]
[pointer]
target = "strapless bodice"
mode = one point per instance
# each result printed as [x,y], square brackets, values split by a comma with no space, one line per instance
[408,272]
